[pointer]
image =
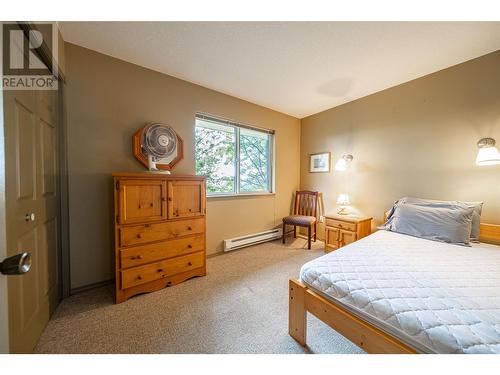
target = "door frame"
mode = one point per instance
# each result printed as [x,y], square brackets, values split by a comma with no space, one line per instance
[64,266]
[4,308]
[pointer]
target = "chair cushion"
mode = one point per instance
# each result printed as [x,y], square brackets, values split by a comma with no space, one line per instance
[299,220]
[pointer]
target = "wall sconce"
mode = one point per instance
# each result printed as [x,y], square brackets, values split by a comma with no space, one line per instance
[488,154]
[341,164]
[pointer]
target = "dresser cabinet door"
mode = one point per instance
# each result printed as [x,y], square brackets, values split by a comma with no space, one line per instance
[141,201]
[332,237]
[186,199]
[347,237]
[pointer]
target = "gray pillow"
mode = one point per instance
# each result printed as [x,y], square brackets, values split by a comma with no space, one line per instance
[476,214]
[442,224]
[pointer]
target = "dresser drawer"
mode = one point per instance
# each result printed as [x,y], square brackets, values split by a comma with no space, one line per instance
[143,274]
[142,254]
[341,224]
[139,234]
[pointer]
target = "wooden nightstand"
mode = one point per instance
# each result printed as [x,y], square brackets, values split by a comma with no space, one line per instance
[341,230]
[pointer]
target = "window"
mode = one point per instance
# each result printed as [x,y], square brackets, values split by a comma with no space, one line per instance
[236,159]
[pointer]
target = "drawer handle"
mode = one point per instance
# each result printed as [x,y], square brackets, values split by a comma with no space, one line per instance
[169,283]
[189,228]
[160,270]
[151,205]
[169,199]
[140,207]
[189,210]
[139,277]
[139,235]
[190,246]
[190,264]
[147,225]
[139,257]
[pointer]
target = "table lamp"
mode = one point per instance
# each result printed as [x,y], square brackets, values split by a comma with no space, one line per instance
[343,201]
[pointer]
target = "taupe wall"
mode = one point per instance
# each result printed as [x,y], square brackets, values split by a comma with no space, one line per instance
[107,101]
[416,139]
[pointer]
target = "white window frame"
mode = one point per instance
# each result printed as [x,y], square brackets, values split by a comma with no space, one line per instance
[237,127]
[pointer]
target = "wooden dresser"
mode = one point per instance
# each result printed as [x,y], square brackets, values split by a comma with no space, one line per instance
[159,231]
[341,230]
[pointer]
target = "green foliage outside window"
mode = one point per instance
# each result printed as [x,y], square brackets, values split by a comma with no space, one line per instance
[215,158]
[254,159]
[216,147]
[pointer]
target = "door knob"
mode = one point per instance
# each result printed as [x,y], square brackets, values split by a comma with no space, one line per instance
[30,216]
[16,265]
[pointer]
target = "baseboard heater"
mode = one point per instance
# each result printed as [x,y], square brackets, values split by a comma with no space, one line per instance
[252,239]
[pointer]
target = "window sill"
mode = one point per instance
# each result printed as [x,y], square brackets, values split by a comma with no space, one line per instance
[243,195]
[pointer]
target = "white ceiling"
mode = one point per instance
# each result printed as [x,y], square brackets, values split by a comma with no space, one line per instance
[298,68]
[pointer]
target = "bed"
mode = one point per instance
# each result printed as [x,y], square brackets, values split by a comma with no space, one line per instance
[394,293]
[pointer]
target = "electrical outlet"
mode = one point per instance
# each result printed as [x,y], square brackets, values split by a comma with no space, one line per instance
[321,218]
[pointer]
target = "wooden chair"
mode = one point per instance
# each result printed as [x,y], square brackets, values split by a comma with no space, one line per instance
[305,210]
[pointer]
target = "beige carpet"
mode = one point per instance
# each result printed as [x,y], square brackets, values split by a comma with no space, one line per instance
[241,306]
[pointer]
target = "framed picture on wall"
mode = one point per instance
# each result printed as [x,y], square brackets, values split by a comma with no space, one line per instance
[319,162]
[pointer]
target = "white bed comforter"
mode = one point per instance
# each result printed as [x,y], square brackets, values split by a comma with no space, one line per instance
[437,297]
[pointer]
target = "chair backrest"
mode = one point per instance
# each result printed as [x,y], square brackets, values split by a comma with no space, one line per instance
[306,203]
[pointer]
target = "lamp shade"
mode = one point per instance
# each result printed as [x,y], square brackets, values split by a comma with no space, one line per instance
[341,164]
[488,156]
[343,199]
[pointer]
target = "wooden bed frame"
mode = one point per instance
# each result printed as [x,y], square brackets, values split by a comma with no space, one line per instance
[362,333]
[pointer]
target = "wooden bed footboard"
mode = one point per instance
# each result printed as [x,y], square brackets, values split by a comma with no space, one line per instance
[368,337]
